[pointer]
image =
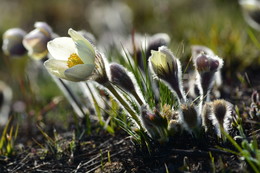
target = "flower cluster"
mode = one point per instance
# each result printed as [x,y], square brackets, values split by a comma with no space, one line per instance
[77,59]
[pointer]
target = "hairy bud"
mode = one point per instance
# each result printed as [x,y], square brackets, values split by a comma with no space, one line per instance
[12,42]
[167,67]
[189,116]
[36,41]
[222,114]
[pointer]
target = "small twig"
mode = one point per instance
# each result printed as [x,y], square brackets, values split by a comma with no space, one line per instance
[38,166]
[88,165]
[21,164]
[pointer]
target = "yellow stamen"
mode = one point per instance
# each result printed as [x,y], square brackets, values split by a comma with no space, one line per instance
[73,60]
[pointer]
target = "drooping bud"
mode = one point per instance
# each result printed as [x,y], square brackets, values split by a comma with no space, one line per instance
[189,117]
[222,113]
[5,102]
[251,11]
[121,78]
[167,67]
[36,41]
[207,66]
[13,42]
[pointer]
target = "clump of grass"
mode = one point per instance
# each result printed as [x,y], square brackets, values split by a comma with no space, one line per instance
[7,140]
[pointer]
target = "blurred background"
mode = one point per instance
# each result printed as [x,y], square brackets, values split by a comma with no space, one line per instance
[217,24]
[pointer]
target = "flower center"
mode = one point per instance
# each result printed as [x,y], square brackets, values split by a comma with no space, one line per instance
[73,60]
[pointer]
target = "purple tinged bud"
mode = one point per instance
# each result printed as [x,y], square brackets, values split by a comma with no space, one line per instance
[120,77]
[12,42]
[206,66]
[155,124]
[206,63]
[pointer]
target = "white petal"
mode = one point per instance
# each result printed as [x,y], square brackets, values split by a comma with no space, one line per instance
[61,48]
[85,49]
[56,67]
[79,72]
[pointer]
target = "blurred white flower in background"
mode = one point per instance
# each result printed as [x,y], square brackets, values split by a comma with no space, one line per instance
[113,25]
[251,11]
[6,95]
[13,42]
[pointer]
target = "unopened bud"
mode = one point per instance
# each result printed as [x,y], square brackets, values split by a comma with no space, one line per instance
[207,66]
[207,63]
[167,67]
[222,112]
[120,77]
[155,124]
[36,41]
[189,116]
[13,42]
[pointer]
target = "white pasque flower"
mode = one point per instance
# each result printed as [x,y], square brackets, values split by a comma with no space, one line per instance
[73,58]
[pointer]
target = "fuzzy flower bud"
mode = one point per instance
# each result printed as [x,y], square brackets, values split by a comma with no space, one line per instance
[207,66]
[155,124]
[12,42]
[120,77]
[167,67]
[251,11]
[222,114]
[189,117]
[36,41]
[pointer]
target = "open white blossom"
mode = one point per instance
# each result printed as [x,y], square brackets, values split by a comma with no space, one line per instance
[73,58]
